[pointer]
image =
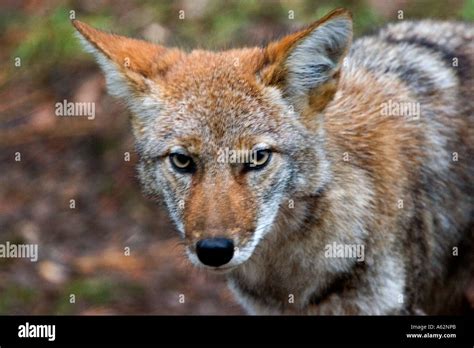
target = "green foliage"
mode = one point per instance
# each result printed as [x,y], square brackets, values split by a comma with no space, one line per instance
[467,11]
[48,39]
[16,296]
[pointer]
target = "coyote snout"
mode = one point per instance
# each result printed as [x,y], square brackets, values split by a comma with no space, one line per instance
[219,218]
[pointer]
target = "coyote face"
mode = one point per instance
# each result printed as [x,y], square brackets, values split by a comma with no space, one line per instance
[224,160]
[222,136]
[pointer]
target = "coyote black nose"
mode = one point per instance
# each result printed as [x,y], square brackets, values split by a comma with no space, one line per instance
[215,251]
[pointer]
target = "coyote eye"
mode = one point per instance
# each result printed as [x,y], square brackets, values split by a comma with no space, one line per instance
[182,163]
[259,160]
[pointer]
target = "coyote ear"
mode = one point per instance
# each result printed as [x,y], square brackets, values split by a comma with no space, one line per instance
[306,65]
[128,64]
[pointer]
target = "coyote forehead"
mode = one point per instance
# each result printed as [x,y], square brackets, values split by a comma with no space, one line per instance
[207,117]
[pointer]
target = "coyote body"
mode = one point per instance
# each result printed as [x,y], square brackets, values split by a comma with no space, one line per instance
[371,146]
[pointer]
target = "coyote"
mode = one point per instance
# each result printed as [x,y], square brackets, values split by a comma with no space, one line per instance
[353,190]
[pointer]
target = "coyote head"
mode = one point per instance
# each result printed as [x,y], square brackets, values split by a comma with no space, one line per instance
[228,138]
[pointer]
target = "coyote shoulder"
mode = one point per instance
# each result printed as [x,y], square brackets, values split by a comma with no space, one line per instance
[356,196]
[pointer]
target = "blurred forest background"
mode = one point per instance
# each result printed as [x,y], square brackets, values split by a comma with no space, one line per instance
[81,250]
